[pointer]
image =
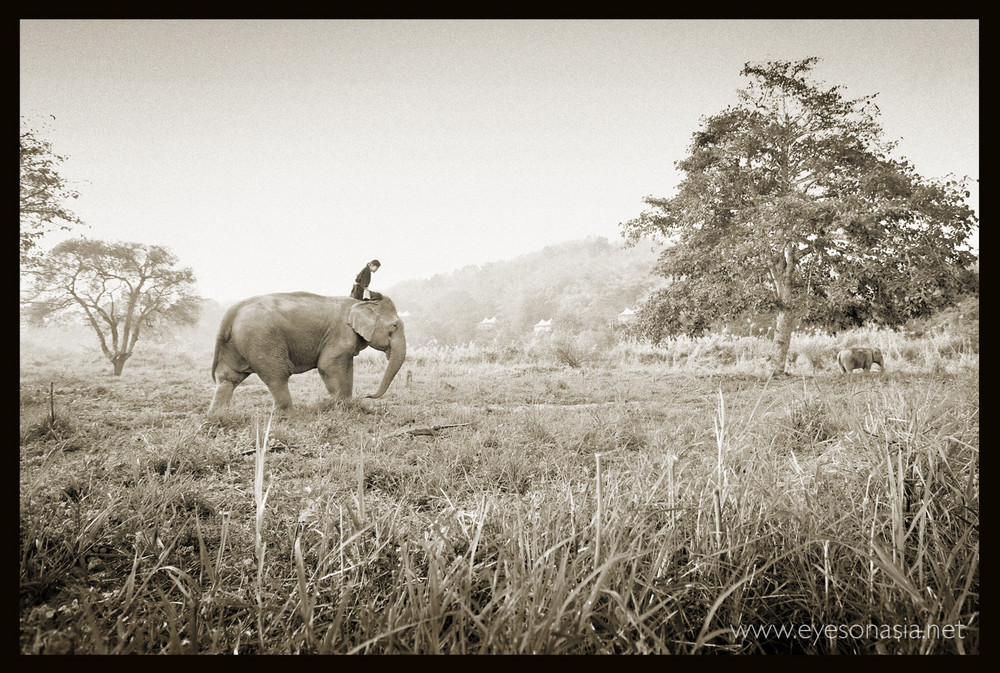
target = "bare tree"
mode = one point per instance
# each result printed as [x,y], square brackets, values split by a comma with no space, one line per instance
[117,288]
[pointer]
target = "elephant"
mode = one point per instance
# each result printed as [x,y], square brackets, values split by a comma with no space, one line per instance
[277,335]
[850,359]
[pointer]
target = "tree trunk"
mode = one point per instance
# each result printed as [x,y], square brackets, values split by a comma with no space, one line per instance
[782,339]
[786,317]
[118,360]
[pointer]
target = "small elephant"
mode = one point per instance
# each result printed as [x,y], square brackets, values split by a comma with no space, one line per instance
[277,335]
[850,359]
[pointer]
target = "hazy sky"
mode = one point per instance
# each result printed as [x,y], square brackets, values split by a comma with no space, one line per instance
[283,155]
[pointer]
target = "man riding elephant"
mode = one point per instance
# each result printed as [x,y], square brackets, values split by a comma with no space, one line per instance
[360,288]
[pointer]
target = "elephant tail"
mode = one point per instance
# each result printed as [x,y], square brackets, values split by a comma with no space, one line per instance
[225,332]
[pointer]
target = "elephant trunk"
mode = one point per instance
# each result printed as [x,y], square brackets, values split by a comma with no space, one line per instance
[396,353]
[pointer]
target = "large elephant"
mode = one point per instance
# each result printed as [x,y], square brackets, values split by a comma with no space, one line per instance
[277,335]
[850,359]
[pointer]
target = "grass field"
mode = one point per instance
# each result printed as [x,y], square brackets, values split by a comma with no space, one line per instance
[505,500]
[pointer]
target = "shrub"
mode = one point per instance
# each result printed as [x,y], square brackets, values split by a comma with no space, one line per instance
[809,420]
[570,354]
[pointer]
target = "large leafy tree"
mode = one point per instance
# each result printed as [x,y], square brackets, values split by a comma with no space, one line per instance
[791,203]
[119,289]
[44,193]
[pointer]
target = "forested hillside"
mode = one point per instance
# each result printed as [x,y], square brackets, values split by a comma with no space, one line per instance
[581,286]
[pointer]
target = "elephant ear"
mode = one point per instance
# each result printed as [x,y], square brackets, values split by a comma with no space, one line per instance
[363,316]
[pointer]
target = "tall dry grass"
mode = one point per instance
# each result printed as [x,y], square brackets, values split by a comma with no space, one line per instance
[648,500]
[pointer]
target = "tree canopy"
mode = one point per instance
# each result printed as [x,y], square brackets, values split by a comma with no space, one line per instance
[791,202]
[44,192]
[118,289]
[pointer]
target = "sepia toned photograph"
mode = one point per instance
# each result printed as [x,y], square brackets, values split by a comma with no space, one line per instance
[508,336]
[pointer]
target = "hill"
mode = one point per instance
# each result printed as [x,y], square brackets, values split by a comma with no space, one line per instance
[581,286]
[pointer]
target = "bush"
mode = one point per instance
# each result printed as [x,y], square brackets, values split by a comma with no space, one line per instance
[570,354]
[810,421]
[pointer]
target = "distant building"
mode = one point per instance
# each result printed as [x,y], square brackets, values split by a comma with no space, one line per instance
[626,316]
[487,324]
[543,326]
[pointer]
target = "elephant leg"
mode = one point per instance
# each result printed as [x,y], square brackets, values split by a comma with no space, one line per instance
[227,379]
[279,391]
[337,372]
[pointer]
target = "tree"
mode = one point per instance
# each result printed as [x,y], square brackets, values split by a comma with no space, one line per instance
[790,202]
[117,288]
[43,193]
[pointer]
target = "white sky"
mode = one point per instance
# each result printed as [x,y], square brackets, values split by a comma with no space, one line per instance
[283,155]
